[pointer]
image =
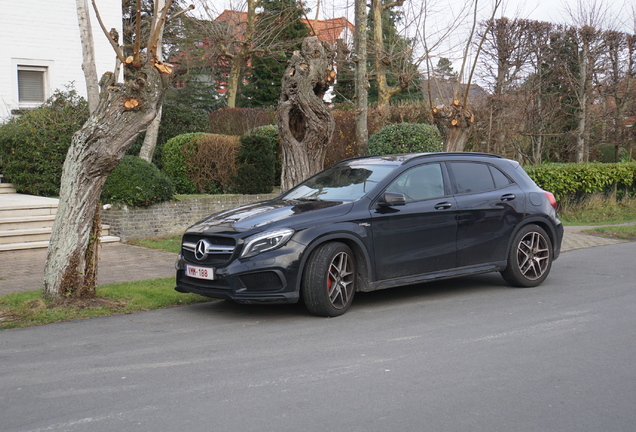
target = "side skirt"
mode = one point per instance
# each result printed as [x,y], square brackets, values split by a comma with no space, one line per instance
[429,277]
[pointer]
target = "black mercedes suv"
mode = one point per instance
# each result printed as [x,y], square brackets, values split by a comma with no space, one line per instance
[372,223]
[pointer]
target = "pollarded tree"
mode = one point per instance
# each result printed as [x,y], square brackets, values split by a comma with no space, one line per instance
[124,110]
[305,122]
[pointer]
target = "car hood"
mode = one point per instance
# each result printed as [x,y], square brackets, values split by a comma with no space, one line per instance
[293,214]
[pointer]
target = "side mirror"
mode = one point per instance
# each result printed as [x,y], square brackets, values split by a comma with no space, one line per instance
[392,199]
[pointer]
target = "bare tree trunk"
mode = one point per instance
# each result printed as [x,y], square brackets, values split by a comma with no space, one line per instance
[150,139]
[88,54]
[583,89]
[361,80]
[305,123]
[152,133]
[234,80]
[123,112]
[385,91]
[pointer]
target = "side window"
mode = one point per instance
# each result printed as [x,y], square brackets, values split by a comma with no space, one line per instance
[420,183]
[473,177]
[501,180]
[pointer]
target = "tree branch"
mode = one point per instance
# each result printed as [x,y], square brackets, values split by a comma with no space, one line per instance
[155,35]
[118,52]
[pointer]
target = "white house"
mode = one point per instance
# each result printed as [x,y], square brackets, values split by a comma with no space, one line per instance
[40,49]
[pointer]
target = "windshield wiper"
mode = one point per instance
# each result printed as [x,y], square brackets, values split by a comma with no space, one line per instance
[307,199]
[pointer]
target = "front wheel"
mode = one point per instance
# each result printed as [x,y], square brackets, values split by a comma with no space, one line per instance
[329,280]
[529,258]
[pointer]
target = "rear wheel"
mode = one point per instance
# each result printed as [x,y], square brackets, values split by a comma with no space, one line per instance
[529,258]
[329,280]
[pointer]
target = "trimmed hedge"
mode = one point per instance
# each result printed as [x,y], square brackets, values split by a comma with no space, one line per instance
[256,160]
[138,183]
[33,146]
[405,138]
[578,179]
[200,162]
[270,132]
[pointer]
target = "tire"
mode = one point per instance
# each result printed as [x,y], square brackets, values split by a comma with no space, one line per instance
[530,257]
[329,280]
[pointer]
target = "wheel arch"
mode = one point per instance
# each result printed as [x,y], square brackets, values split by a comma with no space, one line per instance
[357,246]
[542,223]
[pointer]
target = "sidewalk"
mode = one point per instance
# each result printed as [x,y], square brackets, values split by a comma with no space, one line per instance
[23,270]
[118,262]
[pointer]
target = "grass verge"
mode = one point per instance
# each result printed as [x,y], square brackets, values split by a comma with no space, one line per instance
[622,232]
[597,209]
[170,244]
[29,308]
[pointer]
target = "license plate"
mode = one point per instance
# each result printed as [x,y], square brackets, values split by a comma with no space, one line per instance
[199,272]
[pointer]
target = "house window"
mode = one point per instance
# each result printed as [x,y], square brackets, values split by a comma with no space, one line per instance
[31,85]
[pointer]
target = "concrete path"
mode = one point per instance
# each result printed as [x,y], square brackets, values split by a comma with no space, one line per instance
[118,262]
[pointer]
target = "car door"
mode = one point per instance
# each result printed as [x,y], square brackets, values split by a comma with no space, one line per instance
[419,236]
[489,207]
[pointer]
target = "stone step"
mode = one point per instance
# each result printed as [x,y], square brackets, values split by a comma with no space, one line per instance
[36,236]
[45,244]
[25,222]
[27,210]
[25,235]
[6,188]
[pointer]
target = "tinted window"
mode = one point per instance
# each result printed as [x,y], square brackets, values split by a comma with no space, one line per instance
[501,180]
[472,177]
[419,183]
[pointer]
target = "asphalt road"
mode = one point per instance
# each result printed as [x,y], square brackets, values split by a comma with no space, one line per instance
[465,355]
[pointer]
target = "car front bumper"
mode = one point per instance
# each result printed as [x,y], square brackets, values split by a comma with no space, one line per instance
[271,278]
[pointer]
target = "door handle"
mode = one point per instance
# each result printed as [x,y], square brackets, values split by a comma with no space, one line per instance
[443,206]
[508,197]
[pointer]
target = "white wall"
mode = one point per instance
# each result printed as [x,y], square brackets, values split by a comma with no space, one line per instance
[46,33]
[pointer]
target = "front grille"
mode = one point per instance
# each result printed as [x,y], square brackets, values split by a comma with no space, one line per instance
[219,249]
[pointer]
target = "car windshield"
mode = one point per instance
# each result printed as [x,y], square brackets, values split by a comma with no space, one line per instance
[340,183]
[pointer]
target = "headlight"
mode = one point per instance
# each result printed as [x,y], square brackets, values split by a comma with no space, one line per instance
[265,241]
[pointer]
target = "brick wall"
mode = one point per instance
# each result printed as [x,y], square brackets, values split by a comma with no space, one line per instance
[171,217]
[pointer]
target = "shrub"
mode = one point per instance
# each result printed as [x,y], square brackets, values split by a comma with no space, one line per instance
[136,182]
[576,180]
[270,132]
[176,119]
[33,146]
[239,121]
[200,163]
[175,155]
[256,161]
[405,138]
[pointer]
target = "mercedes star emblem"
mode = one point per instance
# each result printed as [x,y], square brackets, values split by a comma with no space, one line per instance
[201,250]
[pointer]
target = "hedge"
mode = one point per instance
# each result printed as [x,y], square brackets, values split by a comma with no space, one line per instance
[580,179]
[138,183]
[405,138]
